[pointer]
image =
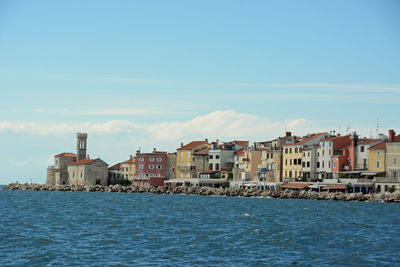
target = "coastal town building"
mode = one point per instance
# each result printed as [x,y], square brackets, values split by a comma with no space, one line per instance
[151,168]
[114,172]
[393,155]
[377,158]
[293,153]
[88,172]
[185,167]
[171,166]
[128,168]
[77,169]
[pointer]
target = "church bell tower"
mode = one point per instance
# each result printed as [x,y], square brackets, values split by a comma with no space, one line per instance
[81,146]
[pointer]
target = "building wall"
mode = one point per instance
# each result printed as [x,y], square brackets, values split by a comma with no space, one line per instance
[309,163]
[291,156]
[393,159]
[88,174]
[251,161]
[128,170]
[324,153]
[171,166]
[184,161]
[200,164]
[376,155]
[151,165]
[50,179]
[224,161]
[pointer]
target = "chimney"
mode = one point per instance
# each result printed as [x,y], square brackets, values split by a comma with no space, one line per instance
[288,134]
[130,157]
[88,157]
[206,140]
[138,151]
[181,144]
[154,150]
[217,141]
[392,134]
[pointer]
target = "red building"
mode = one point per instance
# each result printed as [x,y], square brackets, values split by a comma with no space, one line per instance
[151,168]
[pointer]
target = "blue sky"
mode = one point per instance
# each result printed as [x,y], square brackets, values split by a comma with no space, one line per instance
[155,73]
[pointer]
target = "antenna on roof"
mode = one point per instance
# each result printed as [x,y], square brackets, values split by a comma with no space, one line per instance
[377,127]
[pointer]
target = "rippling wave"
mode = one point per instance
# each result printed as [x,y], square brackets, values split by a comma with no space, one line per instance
[80,228]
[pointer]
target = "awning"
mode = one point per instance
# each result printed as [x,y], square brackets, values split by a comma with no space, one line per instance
[369,173]
[263,170]
[295,185]
[341,187]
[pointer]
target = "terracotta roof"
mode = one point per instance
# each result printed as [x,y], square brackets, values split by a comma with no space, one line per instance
[367,141]
[295,185]
[306,140]
[396,138]
[115,167]
[202,152]
[129,161]
[381,145]
[242,143]
[66,154]
[82,162]
[239,152]
[192,145]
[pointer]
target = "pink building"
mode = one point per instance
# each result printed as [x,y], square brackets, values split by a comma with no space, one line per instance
[151,168]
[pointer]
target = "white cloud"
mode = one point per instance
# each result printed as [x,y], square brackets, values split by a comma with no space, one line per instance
[222,124]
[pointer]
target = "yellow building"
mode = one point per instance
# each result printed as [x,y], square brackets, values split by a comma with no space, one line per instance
[393,156]
[377,157]
[185,167]
[128,168]
[293,156]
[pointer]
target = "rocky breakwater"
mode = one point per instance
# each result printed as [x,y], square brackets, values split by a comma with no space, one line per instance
[207,191]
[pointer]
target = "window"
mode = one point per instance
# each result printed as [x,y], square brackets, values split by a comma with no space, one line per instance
[317,164]
[285,173]
[290,174]
[378,163]
[299,161]
[141,159]
[286,150]
[210,167]
[290,150]
[217,156]
[159,167]
[290,164]
[151,159]
[362,148]
[295,150]
[295,162]
[159,159]
[379,153]
[73,174]
[141,166]
[56,161]
[334,164]
[308,153]
[217,167]
[330,152]
[308,164]
[300,149]
[323,164]
[211,157]
[323,152]
[394,161]
[272,155]
[330,144]
[329,164]
[267,155]
[151,166]
[304,164]
[81,174]
[323,144]
[286,162]
[365,163]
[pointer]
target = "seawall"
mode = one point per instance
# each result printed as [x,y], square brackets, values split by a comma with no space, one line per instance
[207,191]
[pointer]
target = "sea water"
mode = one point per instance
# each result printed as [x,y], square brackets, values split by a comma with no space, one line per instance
[98,229]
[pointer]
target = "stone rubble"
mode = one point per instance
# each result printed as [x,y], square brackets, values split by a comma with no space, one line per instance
[207,191]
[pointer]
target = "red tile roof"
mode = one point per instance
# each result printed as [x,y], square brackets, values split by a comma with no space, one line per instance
[239,152]
[242,143]
[202,152]
[66,154]
[306,140]
[367,141]
[192,145]
[378,146]
[129,161]
[82,162]
[295,185]
[115,167]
